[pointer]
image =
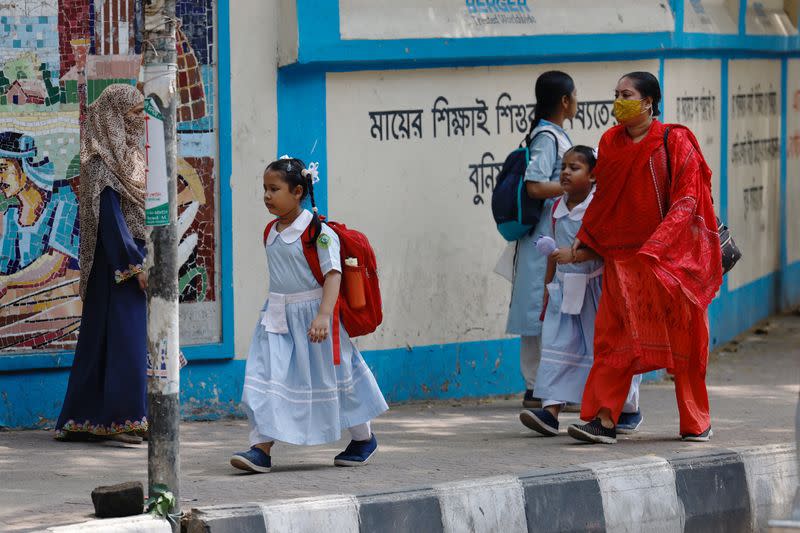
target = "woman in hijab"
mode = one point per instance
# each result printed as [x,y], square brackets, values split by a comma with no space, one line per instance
[106,396]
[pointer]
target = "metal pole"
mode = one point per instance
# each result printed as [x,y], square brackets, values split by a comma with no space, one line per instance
[160,67]
[796,505]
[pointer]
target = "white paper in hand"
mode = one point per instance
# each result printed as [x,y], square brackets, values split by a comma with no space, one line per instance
[505,264]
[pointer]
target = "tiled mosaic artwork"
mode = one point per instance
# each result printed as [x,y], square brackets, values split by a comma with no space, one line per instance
[195,204]
[57,56]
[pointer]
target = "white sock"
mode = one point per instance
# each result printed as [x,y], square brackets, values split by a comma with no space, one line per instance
[258,438]
[361,432]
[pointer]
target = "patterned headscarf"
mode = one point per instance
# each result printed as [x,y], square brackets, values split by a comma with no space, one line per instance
[111,156]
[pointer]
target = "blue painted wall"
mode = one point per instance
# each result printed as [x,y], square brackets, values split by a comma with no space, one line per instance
[32,387]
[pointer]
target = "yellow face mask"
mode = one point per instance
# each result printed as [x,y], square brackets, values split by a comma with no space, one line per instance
[625,110]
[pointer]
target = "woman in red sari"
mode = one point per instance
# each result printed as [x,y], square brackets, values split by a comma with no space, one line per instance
[658,237]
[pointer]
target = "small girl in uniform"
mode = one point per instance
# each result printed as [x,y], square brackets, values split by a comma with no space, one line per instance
[293,391]
[572,294]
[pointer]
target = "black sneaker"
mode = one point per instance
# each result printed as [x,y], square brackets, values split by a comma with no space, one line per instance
[540,420]
[530,401]
[695,437]
[593,432]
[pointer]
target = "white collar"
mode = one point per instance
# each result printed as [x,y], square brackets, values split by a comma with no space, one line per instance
[293,232]
[577,212]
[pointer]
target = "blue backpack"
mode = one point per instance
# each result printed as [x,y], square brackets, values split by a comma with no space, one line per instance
[514,212]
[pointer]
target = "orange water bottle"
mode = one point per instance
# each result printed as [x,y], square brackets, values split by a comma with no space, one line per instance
[354,283]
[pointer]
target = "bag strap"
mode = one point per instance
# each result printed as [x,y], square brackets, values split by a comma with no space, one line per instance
[312,256]
[666,150]
[529,136]
[553,214]
[553,135]
[268,229]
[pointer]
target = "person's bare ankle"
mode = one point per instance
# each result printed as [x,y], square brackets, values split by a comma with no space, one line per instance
[265,447]
[553,410]
[605,419]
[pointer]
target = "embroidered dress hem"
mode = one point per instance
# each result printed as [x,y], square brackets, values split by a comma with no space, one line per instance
[114,428]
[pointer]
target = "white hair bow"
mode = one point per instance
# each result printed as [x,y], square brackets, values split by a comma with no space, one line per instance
[313,172]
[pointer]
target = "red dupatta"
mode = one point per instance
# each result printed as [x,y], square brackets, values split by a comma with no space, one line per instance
[681,246]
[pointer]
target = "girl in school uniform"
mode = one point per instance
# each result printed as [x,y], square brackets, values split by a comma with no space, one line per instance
[293,391]
[556,102]
[572,293]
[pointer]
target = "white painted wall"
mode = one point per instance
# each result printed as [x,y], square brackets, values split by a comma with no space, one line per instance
[430,224]
[753,183]
[414,19]
[769,17]
[711,16]
[793,161]
[693,97]
[431,227]
[254,53]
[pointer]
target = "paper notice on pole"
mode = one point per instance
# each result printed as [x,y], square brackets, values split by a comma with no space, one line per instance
[156,206]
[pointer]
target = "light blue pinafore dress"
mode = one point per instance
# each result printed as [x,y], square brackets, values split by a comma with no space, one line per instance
[293,392]
[568,330]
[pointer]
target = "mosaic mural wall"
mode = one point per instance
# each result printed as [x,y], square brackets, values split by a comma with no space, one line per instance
[56,57]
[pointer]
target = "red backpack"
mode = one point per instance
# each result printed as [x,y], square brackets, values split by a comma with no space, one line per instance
[359,304]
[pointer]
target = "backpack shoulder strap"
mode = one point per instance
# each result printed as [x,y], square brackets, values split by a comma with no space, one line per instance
[666,150]
[268,229]
[553,214]
[551,134]
[312,256]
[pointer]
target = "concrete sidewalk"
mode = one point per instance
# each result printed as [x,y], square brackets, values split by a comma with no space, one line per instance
[753,386]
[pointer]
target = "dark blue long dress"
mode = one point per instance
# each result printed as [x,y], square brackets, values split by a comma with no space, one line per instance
[108,383]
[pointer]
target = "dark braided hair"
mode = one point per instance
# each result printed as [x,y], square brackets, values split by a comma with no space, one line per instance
[586,153]
[292,170]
